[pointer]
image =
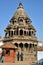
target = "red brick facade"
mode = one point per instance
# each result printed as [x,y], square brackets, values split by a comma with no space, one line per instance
[10,57]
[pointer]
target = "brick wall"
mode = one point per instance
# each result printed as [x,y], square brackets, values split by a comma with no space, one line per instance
[10,57]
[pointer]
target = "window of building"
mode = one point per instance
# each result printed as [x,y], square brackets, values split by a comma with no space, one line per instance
[16,44]
[13,22]
[17,32]
[26,45]
[11,33]
[29,33]
[30,45]
[32,32]
[7,51]
[21,45]
[26,21]
[24,32]
[21,20]
[21,32]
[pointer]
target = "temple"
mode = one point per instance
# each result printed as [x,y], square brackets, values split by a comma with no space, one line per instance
[20,41]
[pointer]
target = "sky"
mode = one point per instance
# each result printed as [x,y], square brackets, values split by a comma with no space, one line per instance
[34,9]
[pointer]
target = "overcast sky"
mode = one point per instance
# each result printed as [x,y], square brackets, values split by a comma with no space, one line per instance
[34,9]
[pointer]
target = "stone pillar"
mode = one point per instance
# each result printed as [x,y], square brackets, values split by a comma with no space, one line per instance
[5,34]
[31,33]
[28,47]
[23,47]
[19,32]
[13,32]
[17,53]
[28,32]
[34,33]
[23,32]
[9,33]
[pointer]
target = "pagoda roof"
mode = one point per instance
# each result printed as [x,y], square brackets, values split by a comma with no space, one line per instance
[20,12]
[40,48]
[8,45]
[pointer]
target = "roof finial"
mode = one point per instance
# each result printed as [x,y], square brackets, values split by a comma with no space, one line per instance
[20,4]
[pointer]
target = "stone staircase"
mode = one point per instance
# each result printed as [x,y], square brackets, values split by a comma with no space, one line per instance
[16,64]
[19,63]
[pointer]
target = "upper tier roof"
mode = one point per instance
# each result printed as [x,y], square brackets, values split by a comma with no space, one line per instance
[20,12]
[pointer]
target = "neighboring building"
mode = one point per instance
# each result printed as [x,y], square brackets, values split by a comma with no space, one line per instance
[22,34]
[40,43]
[8,52]
[39,55]
[40,51]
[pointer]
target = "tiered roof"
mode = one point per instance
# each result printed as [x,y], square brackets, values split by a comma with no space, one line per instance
[8,45]
[40,48]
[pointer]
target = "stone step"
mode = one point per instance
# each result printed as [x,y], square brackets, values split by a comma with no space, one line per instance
[17,64]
